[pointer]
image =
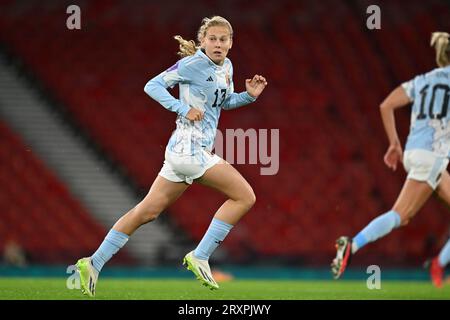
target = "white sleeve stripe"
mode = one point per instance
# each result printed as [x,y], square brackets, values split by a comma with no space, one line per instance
[409,89]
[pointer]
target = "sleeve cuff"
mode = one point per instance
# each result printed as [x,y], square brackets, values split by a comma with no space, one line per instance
[248,97]
[408,87]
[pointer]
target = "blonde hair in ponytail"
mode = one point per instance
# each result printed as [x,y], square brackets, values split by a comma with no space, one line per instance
[440,42]
[188,48]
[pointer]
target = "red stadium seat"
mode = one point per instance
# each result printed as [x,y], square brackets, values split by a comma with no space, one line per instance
[37,211]
[323,96]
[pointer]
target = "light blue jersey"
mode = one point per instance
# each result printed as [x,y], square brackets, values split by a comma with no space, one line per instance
[430,116]
[203,85]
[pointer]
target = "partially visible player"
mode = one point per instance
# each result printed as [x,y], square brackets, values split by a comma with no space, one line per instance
[438,264]
[426,152]
[204,76]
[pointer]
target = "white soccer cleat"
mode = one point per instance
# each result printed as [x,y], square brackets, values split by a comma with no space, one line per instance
[201,270]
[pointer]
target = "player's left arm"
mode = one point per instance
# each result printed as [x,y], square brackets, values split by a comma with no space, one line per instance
[254,87]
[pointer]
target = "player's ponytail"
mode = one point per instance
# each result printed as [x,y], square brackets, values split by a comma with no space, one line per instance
[440,42]
[188,48]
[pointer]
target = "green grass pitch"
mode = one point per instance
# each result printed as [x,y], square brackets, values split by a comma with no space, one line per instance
[14,288]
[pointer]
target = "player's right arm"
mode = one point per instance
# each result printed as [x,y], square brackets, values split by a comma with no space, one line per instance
[157,87]
[396,99]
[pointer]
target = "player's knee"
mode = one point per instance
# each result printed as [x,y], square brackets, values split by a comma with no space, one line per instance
[250,198]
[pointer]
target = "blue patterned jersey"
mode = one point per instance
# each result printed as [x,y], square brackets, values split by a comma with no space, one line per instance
[430,114]
[203,85]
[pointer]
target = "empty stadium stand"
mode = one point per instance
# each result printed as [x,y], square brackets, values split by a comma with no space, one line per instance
[37,212]
[327,75]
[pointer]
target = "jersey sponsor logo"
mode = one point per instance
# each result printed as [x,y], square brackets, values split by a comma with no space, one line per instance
[210,79]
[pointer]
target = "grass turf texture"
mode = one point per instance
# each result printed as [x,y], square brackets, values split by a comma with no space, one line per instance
[181,289]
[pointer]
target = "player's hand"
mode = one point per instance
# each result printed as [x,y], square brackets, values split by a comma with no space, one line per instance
[394,155]
[255,86]
[194,114]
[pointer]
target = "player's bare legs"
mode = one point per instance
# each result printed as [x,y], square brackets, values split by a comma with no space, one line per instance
[224,178]
[412,197]
[438,263]
[161,195]
[443,189]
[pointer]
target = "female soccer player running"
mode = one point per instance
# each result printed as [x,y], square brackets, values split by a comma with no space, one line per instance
[426,153]
[204,76]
